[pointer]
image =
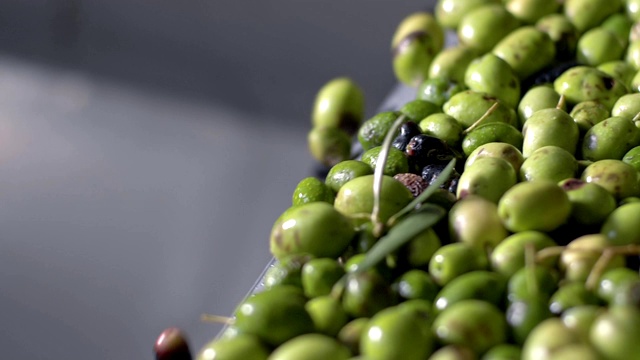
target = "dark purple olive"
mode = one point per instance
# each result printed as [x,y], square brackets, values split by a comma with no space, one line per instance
[172,345]
[407,131]
[431,172]
[423,150]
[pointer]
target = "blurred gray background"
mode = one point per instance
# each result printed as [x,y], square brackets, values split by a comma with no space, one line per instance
[146,148]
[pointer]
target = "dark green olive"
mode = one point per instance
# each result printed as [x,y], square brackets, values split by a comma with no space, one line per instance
[570,295]
[311,347]
[319,275]
[275,315]
[524,315]
[481,285]
[327,314]
[344,171]
[287,271]
[527,283]
[455,259]
[328,145]
[397,333]
[373,131]
[366,293]
[473,323]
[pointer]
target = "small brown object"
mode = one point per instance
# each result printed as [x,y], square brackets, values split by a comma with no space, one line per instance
[415,183]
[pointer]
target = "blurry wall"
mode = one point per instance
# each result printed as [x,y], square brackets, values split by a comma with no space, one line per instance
[263,56]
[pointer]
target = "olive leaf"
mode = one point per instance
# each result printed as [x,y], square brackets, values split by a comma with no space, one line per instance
[405,230]
[435,185]
[378,174]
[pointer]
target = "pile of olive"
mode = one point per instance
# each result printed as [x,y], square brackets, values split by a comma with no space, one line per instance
[527,249]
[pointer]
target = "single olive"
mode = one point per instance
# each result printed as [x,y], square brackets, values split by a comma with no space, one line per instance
[524,315]
[531,282]
[590,203]
[244,347]
[339,104]
[617,177]
[417,252]
[396,161]
[373,131]
[576,352]
[615,332]
[549,127]
[397,333]
[319,275]
[610,139]
[632,55]
[598,46]
[487,177]
[632,157]
[418,38]
[275,315]
[494,75]
[474,220]
[503,352]
[327,314]
[356,197]
[453,260]
[570,295]
[620,70]
[311,347]
[627,294]
[172,344]
[473,323]
[583,83]
[439,90]
[548,337]
[328,145]
[480,284]
[416,284]
[537,98]
[500,150]
[454,352]
[620,25]
[366,293]
[627,107]
[352,332]
[551,163]
[286,271]
[588,113]
[451,63]
[586,14]
[419,109]
[527,50]
[489,133]
[530,11]
[509,256]
[534,205]
[449,13]
[611,281]
[622,227]
[483,27]
[344,171]
[468,106]
[580,318]
[443,127]
[311,189]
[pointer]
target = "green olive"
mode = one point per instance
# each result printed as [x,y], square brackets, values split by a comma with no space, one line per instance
[473,323]
[581,254]
[319,275]
[611,281]
[584,83]
[527,50]
[531,282]
[494,75]
[509,256]
[245,347]
[373,131]
[483,27]
[588,113]
[570,295]
[551,163]
[617,177]
[598,46]
[500,150]
[480,284]
[580,318]
[622,227]
[503,352]
[537,98]
[453,260]
[416,284]
[549,127]
[615,332]
[311,189]
[546,338]
[535,205]
[489,133]
[590,203]
[530,11]
[327,314]
[307,229]
[468,106]
[451,63]
[311,347]
[274,316]
[339,104]
[396,333]
[563,33]
[287,271]
[351,333]
[419,109]
[586,14]
[397,162]
[344,171]
[450,12]
[443,127]
[474,220]
[328,145]
[439,90]
[524,315]
[487,177]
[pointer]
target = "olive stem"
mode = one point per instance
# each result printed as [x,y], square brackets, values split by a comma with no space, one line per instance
[548,252]
[381,162]
[561,102]
[210,318]
[482,118]
[636,118]
[605,258]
